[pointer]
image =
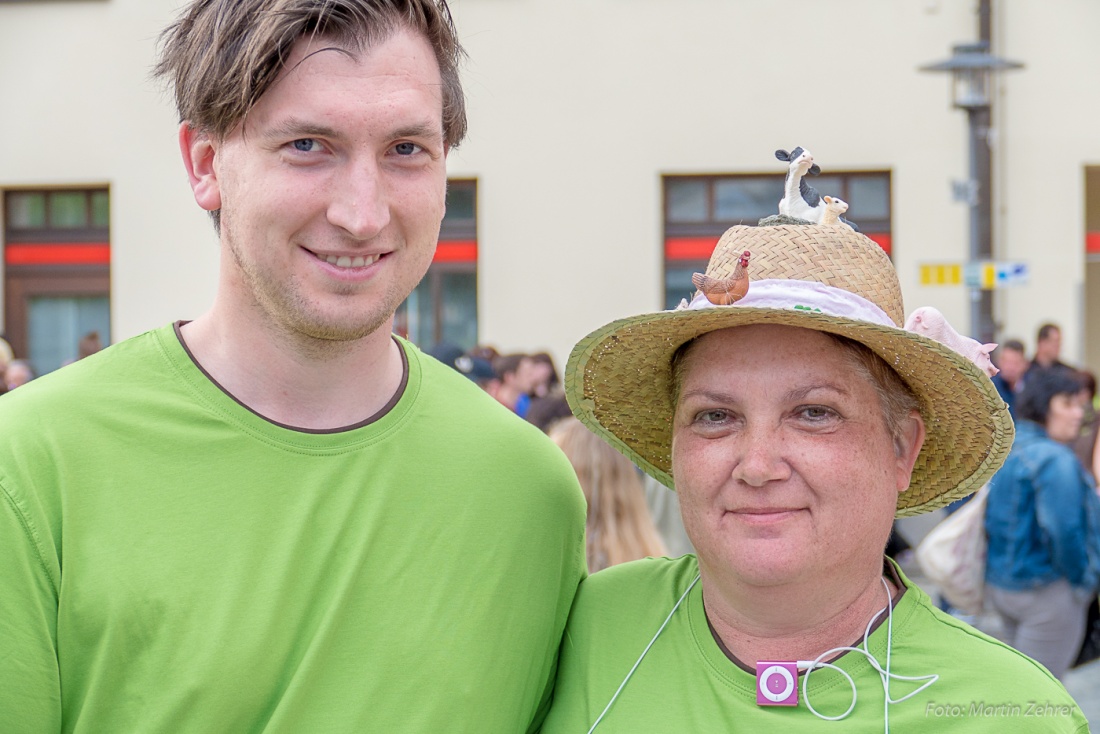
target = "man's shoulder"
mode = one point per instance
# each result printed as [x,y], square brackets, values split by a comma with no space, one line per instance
[117,369]
[460,401]
[58,422]
[487,440]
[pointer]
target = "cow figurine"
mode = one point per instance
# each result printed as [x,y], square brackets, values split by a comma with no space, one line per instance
[800,200]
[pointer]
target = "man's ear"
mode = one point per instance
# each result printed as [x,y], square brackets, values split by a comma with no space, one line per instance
[908,447]
[198,158]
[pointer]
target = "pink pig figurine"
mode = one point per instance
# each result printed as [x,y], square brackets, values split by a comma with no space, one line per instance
[930,322]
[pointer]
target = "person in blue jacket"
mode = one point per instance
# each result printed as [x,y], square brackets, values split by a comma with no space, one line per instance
[1043,524]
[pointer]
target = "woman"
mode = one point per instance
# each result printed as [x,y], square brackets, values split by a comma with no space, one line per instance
[795,424]
[619,527]
[1042,520]
[1084,444]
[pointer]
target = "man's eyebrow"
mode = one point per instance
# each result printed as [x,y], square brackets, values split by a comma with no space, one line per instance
[295,128]
[419,130]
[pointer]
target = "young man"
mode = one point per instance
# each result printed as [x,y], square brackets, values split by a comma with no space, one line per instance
[1012,363]
[512,390]
[278,517]
[1048,348]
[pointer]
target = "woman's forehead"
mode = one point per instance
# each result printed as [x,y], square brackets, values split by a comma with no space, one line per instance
[764,352]
[763,340]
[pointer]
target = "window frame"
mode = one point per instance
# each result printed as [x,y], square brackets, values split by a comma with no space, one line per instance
[24,281]
[452,231]
[48,233]
[716,226]
[703,235]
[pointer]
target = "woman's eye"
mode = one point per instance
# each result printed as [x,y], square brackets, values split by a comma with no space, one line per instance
[711,416]
[306,145]
[815,412]
[406,148]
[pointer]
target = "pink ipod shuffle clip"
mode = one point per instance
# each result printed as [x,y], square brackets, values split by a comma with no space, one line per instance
[776,683]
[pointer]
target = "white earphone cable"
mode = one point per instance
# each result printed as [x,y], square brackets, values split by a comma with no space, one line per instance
[639,661]
[810,665]
[884,674]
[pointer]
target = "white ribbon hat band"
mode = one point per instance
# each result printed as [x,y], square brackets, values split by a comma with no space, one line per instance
[803,295]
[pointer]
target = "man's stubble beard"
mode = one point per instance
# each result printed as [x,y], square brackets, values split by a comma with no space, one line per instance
[291,317]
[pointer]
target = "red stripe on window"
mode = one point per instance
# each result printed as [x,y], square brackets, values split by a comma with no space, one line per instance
[882,239]
[689,248]
[58,253]
[1092,241]
[456,252]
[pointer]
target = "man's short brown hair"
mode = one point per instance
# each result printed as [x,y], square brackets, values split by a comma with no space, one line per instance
[221,56]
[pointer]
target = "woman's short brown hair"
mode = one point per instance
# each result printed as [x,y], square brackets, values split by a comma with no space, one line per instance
[220,56]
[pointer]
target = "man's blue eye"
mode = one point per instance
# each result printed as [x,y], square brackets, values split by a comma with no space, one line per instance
[405,148]
[304,145]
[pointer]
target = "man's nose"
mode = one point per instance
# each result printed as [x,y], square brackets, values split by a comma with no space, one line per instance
[359,203]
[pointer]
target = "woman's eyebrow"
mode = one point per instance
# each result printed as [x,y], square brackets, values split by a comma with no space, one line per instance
[711,395]
[801,393]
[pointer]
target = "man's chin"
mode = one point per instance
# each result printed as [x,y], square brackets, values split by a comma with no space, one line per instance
[337,331]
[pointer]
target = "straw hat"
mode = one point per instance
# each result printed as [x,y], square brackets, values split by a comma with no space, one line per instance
[822,277]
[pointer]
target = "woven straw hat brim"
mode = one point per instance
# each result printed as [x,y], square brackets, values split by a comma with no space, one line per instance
[619,383]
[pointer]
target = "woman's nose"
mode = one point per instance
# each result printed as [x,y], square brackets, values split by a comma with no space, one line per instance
[760,458]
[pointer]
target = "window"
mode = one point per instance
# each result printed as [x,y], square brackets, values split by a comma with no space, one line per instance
[57,257]
[698,209]
[1092,213]
[443,308]
[1091,304]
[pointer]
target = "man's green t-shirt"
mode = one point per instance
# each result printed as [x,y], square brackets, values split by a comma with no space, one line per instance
[173,562]
[685,683]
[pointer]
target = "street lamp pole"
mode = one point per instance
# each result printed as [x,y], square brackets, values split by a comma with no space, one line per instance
[981,219]
[971,67]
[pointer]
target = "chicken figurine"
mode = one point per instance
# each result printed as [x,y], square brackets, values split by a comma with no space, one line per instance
[929,322]
[727,290]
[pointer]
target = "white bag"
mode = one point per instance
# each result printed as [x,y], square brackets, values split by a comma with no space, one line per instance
[952,555]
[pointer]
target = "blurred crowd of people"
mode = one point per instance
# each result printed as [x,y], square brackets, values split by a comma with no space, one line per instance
[13,372]
[1043,558]
[1016,369]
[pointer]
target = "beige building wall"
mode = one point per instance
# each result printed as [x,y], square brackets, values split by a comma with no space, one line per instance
[578,107]
[1047,136]
[80,109]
